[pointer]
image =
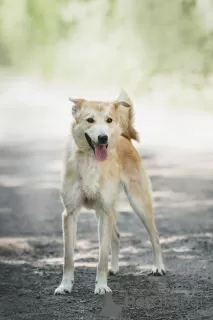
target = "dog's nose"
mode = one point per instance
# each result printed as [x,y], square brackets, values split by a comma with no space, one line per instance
[102,139]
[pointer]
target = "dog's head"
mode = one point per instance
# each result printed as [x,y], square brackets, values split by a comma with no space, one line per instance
[96,126]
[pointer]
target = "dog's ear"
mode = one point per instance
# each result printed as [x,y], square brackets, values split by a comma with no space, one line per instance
[123,99]
[76,105]
[126,116]
[122,103]
[123,96]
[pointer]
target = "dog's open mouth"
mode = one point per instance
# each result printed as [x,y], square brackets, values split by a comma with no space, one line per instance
[100,150]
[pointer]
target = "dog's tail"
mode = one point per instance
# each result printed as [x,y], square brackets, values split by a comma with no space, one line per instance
[126,117]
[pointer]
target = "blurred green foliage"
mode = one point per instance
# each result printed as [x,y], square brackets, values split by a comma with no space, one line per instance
[121,41]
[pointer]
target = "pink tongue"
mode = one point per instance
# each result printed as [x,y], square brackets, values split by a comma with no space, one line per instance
[101,152]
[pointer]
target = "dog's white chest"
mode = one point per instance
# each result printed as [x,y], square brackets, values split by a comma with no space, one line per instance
[89,172]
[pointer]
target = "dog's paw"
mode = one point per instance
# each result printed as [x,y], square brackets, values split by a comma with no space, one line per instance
[158,271]
[113,271]
[102,289]
[64,288]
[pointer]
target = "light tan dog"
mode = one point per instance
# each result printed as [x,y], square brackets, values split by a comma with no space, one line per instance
[100,158]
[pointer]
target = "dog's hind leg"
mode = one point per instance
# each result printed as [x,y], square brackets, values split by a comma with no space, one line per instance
[69,222]
[115,248]
[138,189]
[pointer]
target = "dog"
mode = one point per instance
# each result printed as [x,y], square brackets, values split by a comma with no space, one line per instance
[100,158]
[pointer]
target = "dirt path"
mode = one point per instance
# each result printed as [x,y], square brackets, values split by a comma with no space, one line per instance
[30,229]
[31,246]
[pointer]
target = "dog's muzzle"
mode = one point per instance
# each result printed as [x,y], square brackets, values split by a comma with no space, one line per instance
[99,149]
[89,141]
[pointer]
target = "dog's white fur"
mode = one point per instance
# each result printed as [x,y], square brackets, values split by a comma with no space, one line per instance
[94,184]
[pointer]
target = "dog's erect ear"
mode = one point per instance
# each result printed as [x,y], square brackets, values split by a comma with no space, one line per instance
[123,96]
[77,105]
[123,99]
[126,116]
[122,103]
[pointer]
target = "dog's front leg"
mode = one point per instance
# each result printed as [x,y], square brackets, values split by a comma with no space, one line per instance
[105,233]
[69,222]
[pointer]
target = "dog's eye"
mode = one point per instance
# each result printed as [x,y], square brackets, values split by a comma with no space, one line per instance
[90,120]
[109,120]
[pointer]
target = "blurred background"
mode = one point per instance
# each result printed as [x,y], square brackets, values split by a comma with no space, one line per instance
[161,53]
[143,45]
